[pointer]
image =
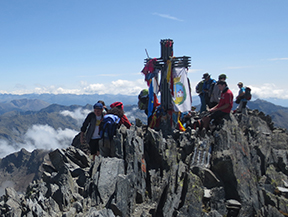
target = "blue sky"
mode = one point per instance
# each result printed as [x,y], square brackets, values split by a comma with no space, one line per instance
[99,46]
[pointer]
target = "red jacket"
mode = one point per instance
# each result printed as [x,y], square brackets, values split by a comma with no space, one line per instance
[226,98]
[124,120]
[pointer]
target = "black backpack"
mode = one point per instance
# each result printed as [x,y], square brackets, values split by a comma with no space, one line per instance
[199,87]
[247,94]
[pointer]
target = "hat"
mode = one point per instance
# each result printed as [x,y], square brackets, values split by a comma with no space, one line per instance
[221,82]
[240,84]
[222,76]
[117,104]
[143,93]
[98,105]
[205,76]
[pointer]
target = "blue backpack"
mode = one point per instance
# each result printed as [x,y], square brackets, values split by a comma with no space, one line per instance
[108,126]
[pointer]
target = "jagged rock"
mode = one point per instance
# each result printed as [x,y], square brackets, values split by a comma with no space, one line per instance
[238,169]
[174,190]
[78,157]
[100,213]
[123,193]
[191,201]
[207,177]
[110,168]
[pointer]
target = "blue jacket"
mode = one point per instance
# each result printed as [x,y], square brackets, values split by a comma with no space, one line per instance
[207,86]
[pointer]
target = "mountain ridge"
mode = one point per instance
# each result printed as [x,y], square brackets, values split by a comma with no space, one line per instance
[240,169]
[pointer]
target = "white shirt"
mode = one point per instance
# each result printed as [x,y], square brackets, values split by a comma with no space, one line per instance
[96,131]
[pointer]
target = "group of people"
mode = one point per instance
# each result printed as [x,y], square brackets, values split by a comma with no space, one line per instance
[93,127]
[217,99]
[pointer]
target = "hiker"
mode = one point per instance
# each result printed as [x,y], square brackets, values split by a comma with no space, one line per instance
[222,77]
[222,109]
[108,126]
[208,87]
[91,127]
[143,102]
[215,92]
[199,90]
[123,120]
[143,99]
[241,98]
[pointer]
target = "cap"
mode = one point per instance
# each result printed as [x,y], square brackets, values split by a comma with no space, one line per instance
[117,104]
[98,105]
[222,76]
[143,93]
[240,84]
[205,75]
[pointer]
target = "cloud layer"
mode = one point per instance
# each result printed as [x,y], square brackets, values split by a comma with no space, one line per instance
[78,114]
[39,137]
[123,87]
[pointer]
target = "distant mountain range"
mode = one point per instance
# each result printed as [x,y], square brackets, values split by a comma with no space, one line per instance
[279,114]
[18,115]
[71,99]
[22,105]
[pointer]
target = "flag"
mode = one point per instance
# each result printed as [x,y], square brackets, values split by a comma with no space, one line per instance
[169,76]
[182,95]
[151,98]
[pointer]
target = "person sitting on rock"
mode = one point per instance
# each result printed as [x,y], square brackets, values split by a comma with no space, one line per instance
[220,110]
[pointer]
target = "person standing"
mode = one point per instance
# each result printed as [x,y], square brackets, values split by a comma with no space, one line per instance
[222,77]
[91,126]
[208,87]
[199,90]
[241,98]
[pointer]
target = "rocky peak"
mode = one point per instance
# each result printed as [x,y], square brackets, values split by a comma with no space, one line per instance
[240,169]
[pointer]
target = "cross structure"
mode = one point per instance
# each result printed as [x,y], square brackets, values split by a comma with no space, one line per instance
[161,64]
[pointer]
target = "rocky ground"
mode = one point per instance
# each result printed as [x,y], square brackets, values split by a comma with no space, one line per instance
[241,169]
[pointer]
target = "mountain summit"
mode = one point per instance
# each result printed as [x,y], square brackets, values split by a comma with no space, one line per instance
[238,170]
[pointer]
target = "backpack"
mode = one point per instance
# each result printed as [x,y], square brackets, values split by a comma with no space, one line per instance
[199,87]
[247,94]
[108,126]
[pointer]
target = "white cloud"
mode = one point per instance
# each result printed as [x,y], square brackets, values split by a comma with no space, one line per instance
[40,137]
[78,114]
[120,86]
[6,148]
[130,115]
[167,16]
[194,70]
[276,59]
[117,87]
